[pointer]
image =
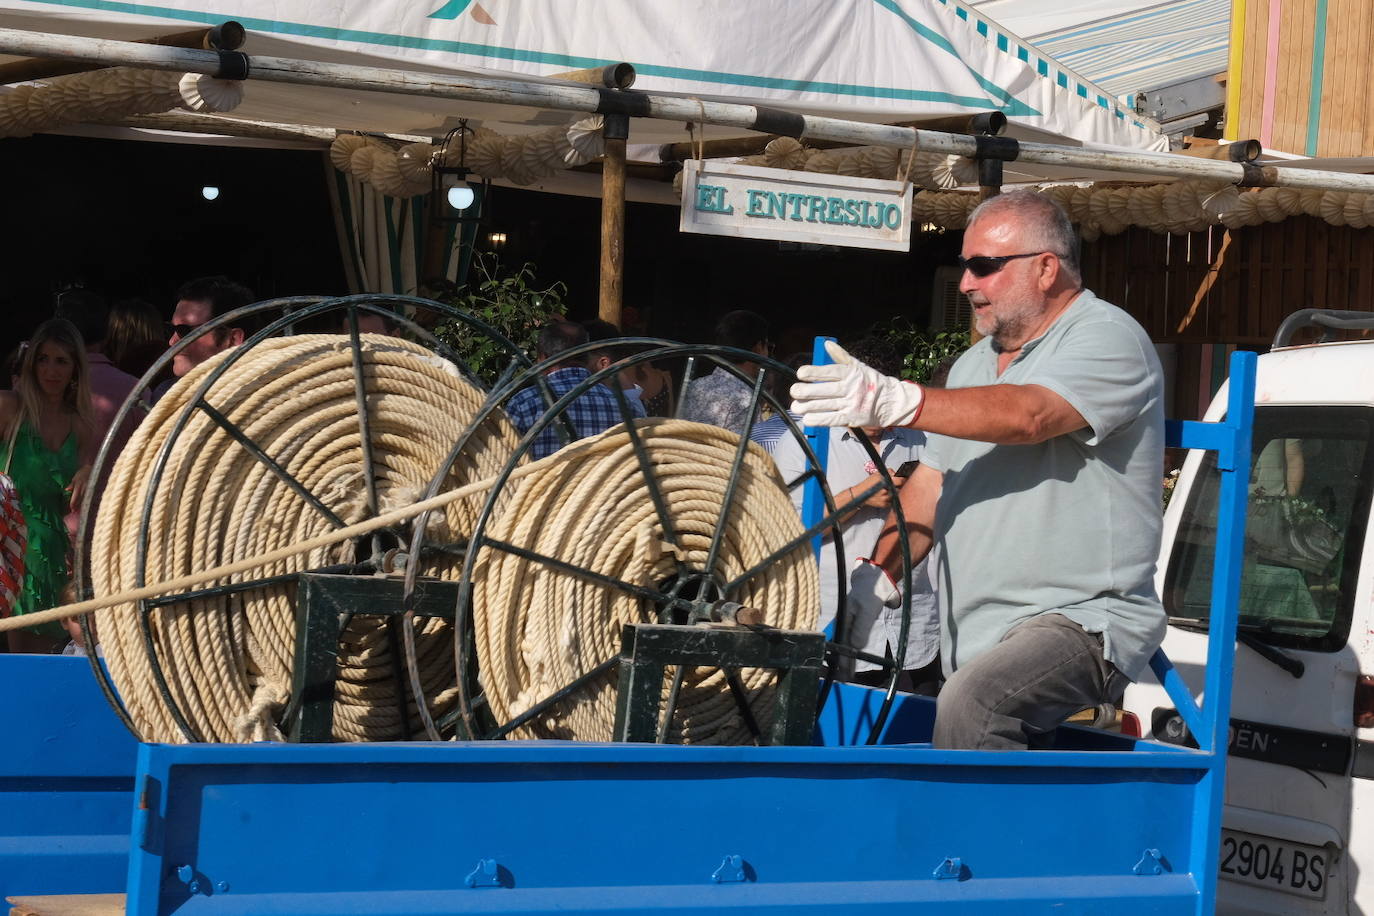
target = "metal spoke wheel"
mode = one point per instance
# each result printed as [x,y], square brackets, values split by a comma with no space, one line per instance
[386,458]
[646,524]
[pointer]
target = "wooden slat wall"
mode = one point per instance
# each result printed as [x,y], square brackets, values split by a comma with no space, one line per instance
[1345,125]
[1293,72]
[1344,129]
[1232,286]
[1294,85]
[1247,119]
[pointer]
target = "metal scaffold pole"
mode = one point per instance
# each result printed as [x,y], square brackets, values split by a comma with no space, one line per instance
[636,104]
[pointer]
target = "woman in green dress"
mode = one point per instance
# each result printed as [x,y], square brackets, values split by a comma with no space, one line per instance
[46,423]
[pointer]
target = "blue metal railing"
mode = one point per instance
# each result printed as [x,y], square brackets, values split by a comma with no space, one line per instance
[818,437]
[1209,721]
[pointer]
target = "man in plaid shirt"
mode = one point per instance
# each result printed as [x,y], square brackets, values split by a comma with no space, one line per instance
[594,411]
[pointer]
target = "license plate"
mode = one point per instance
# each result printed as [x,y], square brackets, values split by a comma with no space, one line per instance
[1260,861]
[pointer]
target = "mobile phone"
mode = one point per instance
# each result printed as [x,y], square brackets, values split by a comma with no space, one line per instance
[907,469]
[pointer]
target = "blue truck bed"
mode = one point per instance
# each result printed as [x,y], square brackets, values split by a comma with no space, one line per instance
[544,827]
[1101,824]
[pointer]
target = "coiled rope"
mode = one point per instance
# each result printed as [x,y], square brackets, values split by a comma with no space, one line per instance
[539,628]
[228,659]
[220,516]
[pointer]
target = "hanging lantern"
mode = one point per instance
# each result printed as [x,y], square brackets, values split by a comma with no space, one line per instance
[456,195]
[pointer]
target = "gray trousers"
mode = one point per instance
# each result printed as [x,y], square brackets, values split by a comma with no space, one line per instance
[1043,671]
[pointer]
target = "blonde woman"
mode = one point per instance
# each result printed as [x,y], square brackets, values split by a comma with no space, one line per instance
[49,443]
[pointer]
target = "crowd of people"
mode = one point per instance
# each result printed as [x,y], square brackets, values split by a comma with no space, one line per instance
[1029,485]
[68,382]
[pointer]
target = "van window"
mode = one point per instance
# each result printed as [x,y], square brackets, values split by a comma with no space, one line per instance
[1308,510]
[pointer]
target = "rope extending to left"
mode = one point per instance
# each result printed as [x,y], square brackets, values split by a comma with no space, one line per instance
[190,504]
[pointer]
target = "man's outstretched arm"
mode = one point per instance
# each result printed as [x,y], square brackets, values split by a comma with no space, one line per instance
[849,393]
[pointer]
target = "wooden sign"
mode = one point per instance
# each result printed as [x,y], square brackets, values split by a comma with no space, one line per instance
[758,203]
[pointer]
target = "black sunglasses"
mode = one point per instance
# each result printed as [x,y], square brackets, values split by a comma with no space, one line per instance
[985,265]
[180,329]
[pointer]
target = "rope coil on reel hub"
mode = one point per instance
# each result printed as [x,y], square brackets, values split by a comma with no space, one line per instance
[199,498]
[684,522]
[539,627]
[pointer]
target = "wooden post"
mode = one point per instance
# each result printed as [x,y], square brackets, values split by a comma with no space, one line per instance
[610,76]
[989,178]
[615,130]
[988,123]
[187,122]
[1240,151]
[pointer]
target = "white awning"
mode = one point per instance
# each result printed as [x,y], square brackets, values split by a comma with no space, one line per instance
[1125,46]
[875,60]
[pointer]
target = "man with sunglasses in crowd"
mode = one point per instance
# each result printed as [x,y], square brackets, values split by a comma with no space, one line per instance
[198,302]
[1039,485]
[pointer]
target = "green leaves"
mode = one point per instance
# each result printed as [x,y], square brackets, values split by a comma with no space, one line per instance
[922,348]
[508,300]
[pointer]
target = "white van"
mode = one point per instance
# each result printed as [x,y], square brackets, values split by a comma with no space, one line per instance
[1299,820]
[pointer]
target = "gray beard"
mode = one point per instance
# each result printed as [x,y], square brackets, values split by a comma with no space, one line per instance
[1005,328]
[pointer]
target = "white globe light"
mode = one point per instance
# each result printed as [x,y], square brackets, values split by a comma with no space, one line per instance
[460,197]
[209,192]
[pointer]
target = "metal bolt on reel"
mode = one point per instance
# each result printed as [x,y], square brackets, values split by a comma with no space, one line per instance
[366,558]
[696,592]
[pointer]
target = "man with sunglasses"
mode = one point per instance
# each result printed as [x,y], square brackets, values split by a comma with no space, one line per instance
[1039,485]
[198,302]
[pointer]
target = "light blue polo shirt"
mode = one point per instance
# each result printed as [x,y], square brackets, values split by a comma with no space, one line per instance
[1071,525]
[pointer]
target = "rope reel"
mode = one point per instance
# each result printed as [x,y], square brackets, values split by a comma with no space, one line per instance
[186,493]
[539,627]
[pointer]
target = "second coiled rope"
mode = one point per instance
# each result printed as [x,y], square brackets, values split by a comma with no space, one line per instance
[539,628]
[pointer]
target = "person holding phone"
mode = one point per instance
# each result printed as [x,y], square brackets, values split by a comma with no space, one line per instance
[872,627]
[1039,485]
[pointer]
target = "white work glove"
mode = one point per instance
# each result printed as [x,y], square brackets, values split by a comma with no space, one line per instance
[871,591]
[849,393]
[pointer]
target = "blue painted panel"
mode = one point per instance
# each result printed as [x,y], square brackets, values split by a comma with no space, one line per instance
[56,722]
[1119,897]
[850,711]
[596,828]
[66,780]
